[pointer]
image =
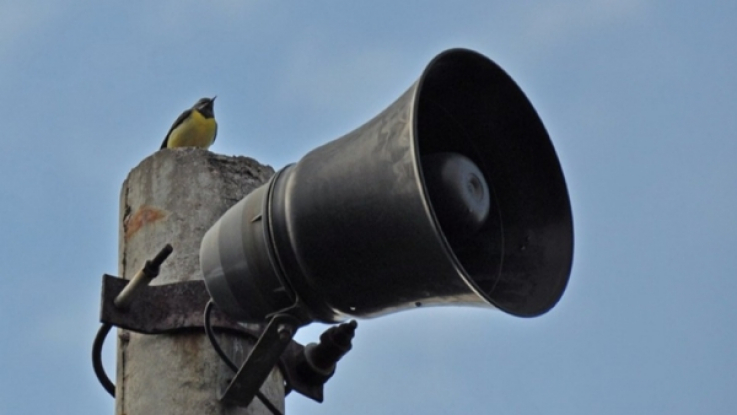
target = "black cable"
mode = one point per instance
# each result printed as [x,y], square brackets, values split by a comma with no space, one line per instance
[152,269]
[97,359]
[213,340]
[110,386]
[215,345]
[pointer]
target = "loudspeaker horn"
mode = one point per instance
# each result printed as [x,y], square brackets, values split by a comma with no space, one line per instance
[453,195]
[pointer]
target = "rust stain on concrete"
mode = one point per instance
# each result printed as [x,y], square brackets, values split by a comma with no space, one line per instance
[143,216]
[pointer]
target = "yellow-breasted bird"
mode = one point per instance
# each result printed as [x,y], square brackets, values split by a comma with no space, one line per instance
[196,127]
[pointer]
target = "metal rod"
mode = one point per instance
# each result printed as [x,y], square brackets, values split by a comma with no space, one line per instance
[142,278]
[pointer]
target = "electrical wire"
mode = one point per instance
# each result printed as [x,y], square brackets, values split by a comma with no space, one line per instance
[110,386]
[215,345]
[97,359]
[213,340]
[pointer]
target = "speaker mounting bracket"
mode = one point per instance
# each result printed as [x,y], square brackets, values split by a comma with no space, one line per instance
[175,308]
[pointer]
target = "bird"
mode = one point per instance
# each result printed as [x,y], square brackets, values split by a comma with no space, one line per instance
[195,127]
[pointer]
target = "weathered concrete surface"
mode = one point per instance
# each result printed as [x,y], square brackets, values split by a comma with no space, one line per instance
[174,196]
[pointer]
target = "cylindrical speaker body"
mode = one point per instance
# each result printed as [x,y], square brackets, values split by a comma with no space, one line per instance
[351,229]
[354,228]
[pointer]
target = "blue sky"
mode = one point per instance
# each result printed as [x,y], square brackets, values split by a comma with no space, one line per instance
[638,97]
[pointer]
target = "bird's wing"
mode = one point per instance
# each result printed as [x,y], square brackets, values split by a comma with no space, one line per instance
[176,124]
[214,136]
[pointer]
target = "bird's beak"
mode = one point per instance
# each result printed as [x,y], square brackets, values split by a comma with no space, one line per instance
[213,98]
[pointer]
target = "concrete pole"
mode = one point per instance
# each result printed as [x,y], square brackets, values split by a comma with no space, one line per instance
[174,196]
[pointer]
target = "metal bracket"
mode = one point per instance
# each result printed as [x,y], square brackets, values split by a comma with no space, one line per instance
[159,309]
[263,357]
[178,307]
